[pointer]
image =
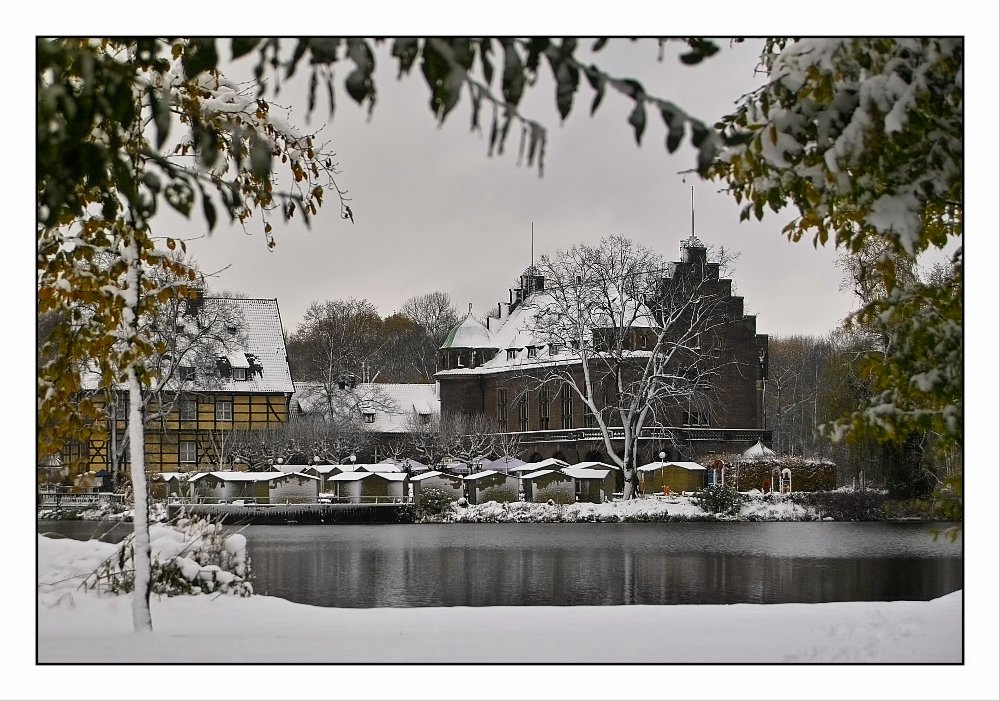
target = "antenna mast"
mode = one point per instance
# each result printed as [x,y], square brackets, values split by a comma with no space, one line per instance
[692,211]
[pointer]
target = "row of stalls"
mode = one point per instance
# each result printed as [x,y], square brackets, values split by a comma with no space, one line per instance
[550,479]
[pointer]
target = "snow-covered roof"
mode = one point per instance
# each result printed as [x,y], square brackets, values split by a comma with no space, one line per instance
[586,473]
[244,476]
[405,464]
[359,475]
[238,360]
[758,450]
[262,324]
[393,405]
[597,465]
[650,467]
[425,475]
[378,467]
[484,473]
[167,476]
[320,469]
[539,473]
[547,463]
[469,333]
[264,343]
[504,464]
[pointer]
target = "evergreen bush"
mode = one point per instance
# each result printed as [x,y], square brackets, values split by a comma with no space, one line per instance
[434,500]
[720,499]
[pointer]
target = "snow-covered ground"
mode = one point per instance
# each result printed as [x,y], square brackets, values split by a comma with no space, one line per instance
[759,507]
[77,626]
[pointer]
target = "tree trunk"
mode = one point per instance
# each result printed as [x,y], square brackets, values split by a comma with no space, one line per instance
[142,620]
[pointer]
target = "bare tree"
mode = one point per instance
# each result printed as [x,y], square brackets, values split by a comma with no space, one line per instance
[336,339]
[435,315]
[470,437]
[637,341]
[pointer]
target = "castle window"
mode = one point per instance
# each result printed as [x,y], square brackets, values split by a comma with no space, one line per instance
[224,410]
[188,451]
[189,409]
[501,409]
[567,406]
[543,409]
[522,413]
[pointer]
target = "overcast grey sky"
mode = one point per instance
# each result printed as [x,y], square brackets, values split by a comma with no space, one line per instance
[433,212]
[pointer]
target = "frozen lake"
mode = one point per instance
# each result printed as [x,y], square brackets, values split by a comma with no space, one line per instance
[591,563]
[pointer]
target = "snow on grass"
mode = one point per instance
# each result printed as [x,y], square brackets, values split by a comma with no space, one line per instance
[676,507]
[76,625]
[268,629]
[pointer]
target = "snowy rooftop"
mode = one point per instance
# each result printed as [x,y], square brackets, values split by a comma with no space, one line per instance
[538,473]
[484,473]
[586,473]
[543,464]
[264,343]
[424,475]
[667,463]
[469,333]
[246,476]
[393,405]
[504,464]
[407,464]
[360,475]
[519,331]
[597,465]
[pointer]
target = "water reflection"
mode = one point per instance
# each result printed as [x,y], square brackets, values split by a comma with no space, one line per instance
[600,564]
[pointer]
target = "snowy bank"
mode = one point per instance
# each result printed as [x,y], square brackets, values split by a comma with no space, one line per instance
[83,626]
[675,507]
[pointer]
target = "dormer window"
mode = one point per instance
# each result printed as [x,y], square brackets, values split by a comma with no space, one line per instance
[424,418]
[186,372]
[511,353]
[369,417]
[239,373]
[574,344]
[554,348]
[532,352]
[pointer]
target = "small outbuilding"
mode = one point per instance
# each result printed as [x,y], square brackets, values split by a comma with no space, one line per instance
[489,485]
[434,480]
[591,484]
[664,477]
[360,486]
[542,485]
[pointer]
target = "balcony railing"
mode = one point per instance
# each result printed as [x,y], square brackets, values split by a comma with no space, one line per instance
[659,433]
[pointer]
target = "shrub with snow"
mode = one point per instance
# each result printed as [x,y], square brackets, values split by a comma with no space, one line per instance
[720,499]
[193,555]
[433,500]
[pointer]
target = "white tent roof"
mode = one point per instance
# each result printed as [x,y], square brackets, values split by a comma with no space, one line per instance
[758,450]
